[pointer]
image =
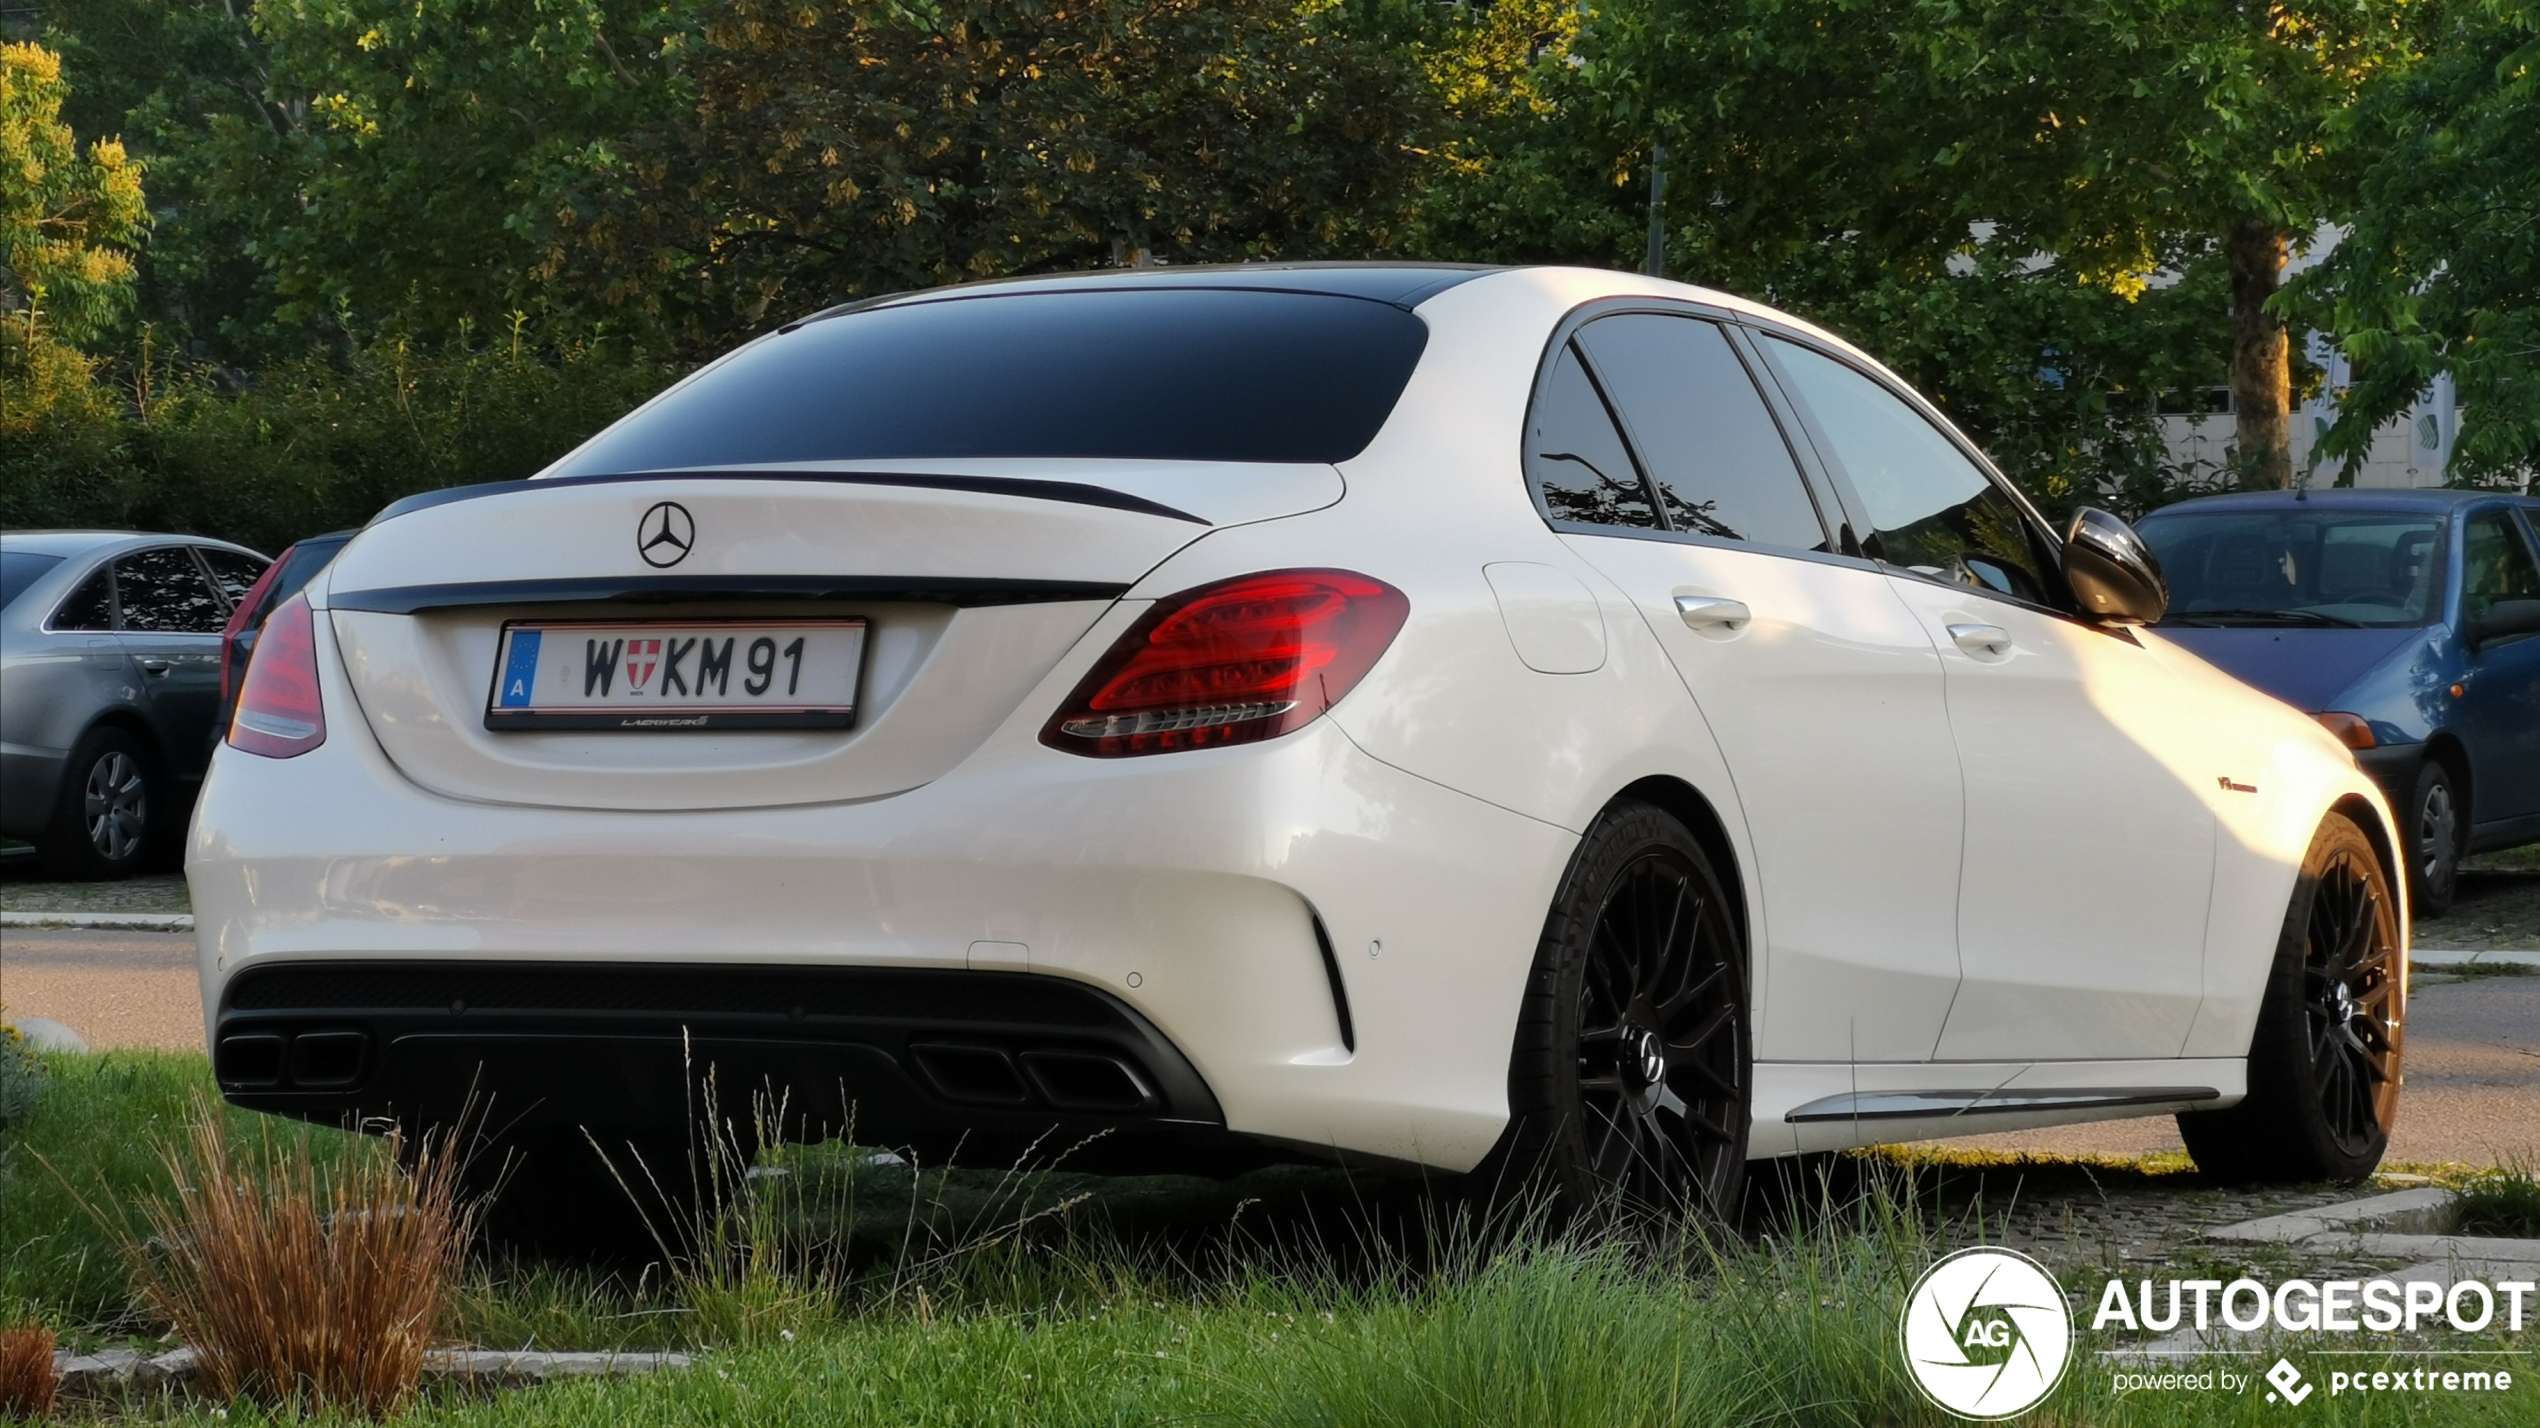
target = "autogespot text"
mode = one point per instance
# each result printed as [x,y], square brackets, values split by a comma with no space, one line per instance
[2337,1306]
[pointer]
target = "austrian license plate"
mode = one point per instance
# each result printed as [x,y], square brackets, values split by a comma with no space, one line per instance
[659,675]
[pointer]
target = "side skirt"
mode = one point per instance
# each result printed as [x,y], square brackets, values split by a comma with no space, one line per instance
[1814,1106]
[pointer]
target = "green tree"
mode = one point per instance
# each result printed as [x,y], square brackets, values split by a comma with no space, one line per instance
[857,147]
[2121,137]
[2441,270]
[68,220]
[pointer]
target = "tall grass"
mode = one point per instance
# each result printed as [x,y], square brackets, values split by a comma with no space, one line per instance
[297,1292]
[2504,1201]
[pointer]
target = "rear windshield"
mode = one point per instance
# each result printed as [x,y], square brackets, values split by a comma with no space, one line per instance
[2287,567]
[1159,374]
[18,570]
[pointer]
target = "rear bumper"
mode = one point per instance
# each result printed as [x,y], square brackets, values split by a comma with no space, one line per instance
[986,1066]
[1182,893]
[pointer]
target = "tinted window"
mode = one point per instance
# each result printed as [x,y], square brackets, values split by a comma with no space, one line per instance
[300,565]
[1167,374]
[234,572]
[163,592]
[1930,509]
[2496,565]
[1577,458]
[20,569]
[2297,565]
[1711,446]
[90,607]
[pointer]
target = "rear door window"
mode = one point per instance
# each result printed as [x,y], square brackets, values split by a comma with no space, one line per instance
[164,591]
[234,571]
[1713,450]
[1167,374]
[1577,457]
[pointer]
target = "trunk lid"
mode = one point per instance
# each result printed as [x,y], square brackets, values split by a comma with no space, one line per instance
[974,579]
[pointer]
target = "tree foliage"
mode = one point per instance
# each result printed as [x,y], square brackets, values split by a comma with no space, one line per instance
[840,151]
[68,219]
[2441,269]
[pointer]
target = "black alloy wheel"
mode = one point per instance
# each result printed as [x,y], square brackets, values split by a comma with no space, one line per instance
[2434,872]
[2324,1061]
[104,817]
[1632,1076]
[2350,1002]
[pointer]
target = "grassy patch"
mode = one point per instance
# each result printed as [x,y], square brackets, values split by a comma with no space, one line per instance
[2504,1201]
[853,1289]
[92,1142]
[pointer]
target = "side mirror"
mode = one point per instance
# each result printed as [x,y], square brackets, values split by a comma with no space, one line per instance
[2113,574]
[2505,620]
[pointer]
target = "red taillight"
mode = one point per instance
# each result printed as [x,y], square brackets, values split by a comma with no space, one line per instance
[237,626]
[1244,659]
[279,715]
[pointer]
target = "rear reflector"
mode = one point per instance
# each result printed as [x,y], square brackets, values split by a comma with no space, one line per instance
[279,715]
[1244,659]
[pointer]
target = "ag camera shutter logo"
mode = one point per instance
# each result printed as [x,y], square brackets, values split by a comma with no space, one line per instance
[1986,1333]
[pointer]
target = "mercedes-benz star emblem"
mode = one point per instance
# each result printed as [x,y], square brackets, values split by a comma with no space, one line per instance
[665,533]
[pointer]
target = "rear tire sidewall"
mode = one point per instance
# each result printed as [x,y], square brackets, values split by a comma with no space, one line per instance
[2430,894]
[67,848]
[1546,1144]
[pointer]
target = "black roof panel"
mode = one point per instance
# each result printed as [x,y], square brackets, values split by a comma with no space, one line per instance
[1402,285]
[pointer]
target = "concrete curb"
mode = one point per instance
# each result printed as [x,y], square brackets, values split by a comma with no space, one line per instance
[502,1368]
[2464,957]
[103,921]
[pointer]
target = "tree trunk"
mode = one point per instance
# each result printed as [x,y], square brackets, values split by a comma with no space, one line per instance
[2261,369]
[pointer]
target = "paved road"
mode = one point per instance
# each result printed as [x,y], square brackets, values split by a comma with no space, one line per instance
[2473,1059]
[114,988]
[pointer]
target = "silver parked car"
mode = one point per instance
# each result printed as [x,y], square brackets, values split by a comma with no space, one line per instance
[110,667]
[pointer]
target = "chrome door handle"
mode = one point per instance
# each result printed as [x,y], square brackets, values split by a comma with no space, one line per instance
[154,666]
[1982,641]
[1711,612]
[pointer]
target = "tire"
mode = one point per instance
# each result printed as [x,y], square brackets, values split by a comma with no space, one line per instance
[2324,1060]
[2435,827]
[1632,1077]
[549,1195]
[107,813]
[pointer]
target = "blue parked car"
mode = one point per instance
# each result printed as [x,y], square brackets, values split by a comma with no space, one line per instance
[2407,622]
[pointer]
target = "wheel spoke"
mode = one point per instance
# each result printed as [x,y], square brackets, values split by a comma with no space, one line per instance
[1695,988]
[1720,1018]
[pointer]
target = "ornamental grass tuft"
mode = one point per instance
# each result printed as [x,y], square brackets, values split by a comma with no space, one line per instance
[296,1292]
[27,1378]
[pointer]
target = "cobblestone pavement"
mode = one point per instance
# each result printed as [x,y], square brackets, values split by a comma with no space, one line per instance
[2498,905]
[2126,1220]
[24,888]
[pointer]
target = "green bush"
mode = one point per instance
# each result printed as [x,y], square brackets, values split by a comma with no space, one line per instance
[317,442]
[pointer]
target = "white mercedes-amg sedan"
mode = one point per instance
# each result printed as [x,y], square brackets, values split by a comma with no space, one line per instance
[1518,720]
